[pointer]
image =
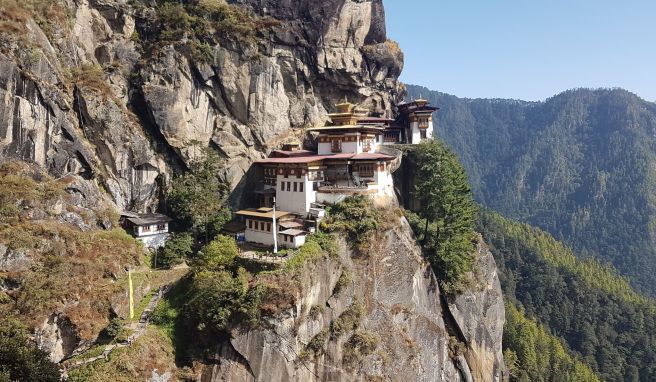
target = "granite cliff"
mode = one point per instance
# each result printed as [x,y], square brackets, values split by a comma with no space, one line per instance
[90,95]
[406,328]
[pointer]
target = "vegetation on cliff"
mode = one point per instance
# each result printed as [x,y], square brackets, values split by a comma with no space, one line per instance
[198,197]
[445,221]
[56,257]
[20,359]
[578,165]
[223,290]
[196,26]
[584,303]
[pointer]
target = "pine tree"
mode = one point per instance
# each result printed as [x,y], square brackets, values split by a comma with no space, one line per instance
[449,211]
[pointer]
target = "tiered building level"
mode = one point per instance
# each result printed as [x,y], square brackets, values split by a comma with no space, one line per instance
[347,162]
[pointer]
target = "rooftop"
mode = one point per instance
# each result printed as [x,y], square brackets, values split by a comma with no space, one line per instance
[145,219]
[263,212]
[293,232]
[346,127]
[317,158]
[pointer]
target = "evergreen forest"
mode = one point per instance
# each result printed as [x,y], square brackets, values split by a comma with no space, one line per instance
[579,165]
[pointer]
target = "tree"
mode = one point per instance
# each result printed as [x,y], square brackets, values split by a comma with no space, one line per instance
[214,298]
[175,250]
[20,359]
[448,208]
[198,197]
[218,255]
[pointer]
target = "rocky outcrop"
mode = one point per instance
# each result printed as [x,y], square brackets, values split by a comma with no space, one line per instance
[86,100]
[418,338]
[479,315]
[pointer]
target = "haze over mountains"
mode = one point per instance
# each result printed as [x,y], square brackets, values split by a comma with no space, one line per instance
[579,165]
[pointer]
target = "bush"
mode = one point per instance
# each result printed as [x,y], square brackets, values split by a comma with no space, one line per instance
[20,359]
[357,217]
[325,241]
[361,344]
[317,343]
[347,321]
[316,311]
[113,329]
[308,252]
[198,198]
[343,281]
[175,250]
[218,255]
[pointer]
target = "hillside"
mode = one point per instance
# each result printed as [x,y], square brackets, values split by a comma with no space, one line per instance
[579,165]
[584,304]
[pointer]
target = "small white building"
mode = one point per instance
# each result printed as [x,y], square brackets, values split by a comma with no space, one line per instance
[150,229]
[259,227]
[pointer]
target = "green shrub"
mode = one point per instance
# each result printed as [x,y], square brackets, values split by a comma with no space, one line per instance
[215,298]
[307,252]
[218,255]
[113,329]
[174,251]
[20,359]
[357,217]
[315,312]
[347,321]
[343,281]
[361,344]
[317,343]
[199,197]
[325,241]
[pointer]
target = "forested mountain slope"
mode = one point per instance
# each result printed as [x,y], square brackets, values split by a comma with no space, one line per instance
[579,165]
[591,309]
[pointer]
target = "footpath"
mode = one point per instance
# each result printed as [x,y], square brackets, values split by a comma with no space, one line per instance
[138,329]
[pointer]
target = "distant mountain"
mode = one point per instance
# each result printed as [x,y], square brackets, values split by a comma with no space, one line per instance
[581,165]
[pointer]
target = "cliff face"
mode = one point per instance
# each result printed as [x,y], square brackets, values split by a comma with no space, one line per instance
[415,333]
[80,98]
[85,99]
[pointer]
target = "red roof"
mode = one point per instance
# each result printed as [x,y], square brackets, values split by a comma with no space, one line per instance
[371,156]
[314,158]
[287,153]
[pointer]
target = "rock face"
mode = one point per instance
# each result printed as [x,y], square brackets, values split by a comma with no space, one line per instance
[419,337]
[85,100]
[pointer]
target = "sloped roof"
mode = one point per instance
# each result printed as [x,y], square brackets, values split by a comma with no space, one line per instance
[146,219]
[293,232]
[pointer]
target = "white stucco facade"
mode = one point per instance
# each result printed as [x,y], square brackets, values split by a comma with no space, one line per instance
[353,143]
[295,194]
[150,230]
[155,241]
[261,232]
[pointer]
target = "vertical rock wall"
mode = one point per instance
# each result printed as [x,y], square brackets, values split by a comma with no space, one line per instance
[420,336]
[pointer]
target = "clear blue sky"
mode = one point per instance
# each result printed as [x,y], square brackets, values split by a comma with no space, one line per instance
[526,49]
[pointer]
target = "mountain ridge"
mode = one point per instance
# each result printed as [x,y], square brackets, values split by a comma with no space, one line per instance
[576,165]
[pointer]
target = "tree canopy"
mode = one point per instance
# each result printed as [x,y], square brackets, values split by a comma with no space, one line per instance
[198,197]
[448,210]
[20,359]
[578,165]
[584,303]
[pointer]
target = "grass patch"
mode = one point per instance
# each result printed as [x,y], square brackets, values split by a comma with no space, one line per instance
[361,344]
[153,350]
[347,321]
[344,280]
